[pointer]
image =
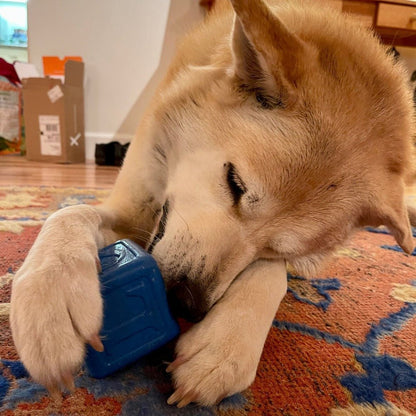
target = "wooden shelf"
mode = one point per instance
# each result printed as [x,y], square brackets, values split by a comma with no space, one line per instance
[393,20]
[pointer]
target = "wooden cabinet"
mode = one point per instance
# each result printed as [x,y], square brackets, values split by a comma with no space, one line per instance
[393,20]
[396,16]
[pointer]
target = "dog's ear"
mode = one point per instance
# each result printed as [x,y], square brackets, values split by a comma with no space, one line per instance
[267,56]
[392,213]
[397,221]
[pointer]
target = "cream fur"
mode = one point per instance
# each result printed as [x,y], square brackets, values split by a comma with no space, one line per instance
[316,120]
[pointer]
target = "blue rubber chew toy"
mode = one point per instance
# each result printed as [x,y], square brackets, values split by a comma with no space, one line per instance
[136,314]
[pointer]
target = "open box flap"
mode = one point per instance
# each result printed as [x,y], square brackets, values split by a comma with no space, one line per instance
[74,73]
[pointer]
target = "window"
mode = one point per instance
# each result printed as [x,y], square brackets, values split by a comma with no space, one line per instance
[13,30]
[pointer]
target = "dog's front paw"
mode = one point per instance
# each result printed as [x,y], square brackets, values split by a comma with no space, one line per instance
[213,362]
[55,310]
[56,306]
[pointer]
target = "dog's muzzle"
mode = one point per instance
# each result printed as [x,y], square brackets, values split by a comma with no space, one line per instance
[186,301]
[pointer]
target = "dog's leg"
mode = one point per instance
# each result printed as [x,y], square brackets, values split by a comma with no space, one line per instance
[56,305]
[219,356]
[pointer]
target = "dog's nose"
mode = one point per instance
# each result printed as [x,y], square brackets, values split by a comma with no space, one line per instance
[186,302]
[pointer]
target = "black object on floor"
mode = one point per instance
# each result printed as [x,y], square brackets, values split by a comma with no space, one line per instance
[110,154]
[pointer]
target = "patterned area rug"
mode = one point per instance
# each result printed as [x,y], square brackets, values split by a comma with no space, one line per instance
[341,344]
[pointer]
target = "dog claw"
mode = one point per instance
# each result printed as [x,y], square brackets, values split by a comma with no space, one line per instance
[98,264]
[68,382]
[176,363]
[176,396]
[188,398]
[96,343]
[181,398]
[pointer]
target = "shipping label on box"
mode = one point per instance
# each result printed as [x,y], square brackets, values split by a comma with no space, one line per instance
[55,93]
[50,135]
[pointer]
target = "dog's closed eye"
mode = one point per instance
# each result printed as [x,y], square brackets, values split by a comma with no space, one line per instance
[267,102]
[235,183]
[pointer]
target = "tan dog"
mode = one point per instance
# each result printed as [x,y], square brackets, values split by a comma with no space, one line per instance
[278,131]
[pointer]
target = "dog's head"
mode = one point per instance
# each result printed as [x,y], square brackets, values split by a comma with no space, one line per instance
[293,133]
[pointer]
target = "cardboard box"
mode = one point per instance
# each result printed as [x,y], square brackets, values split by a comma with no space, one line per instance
[54,116]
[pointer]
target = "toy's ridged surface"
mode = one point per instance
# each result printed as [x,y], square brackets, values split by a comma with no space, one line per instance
[136,315]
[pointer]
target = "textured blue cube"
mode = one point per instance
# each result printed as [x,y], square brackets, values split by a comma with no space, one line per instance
[136,314]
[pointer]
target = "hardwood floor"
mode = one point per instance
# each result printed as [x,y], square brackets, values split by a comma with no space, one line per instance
[16,170]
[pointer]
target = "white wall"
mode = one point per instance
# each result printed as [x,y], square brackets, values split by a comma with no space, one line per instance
[126,46]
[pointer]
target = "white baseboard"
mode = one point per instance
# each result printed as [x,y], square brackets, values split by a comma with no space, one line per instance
[92,138]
